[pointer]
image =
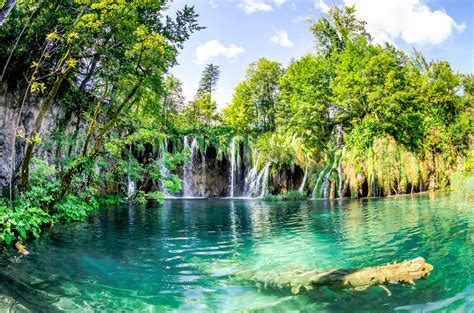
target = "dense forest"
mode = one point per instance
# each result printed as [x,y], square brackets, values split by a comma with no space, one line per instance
[90,116]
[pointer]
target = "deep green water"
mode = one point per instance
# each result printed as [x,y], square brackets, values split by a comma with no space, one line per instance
[181,256]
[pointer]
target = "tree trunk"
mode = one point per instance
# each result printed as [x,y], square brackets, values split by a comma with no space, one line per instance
[25,168]
[298,280]
[6,9]
[82,161]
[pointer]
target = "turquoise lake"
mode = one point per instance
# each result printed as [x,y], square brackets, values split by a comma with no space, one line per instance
[181,256]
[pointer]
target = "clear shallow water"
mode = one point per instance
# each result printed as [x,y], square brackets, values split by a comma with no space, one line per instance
[181,256]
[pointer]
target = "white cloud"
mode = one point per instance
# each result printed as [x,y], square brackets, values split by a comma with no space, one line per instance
[281,39]
[213,4]
[410,20]
[214,48]
[279,3]
[251,6]
[321,5]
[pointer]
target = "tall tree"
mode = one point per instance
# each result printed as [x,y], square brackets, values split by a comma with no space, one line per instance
[210,77]
[203,101]
[258,95]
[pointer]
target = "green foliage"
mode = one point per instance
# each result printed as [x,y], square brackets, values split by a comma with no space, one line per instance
[74,209]
[20,223]
[289,196]
[254,105]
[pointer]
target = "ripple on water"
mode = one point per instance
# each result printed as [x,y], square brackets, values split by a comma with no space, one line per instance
[182,256]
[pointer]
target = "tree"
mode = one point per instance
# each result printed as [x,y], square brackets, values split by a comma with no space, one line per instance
[209,78]
[203,100]
[333,34]
[257,96]
[116,54]
[305,102]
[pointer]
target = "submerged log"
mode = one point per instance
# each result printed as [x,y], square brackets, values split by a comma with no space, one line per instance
[298,280]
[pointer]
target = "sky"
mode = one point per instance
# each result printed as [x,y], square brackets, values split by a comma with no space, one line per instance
[239,32]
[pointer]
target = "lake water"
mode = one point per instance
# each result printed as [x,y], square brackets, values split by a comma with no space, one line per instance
[181,256]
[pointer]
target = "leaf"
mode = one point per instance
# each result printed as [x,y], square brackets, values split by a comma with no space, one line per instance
[8,238]
[22,232]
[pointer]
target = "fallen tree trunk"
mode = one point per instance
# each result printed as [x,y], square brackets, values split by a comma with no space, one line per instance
[297,280]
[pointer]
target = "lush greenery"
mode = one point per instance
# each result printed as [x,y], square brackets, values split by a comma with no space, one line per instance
[103,64]
[362,118]
[394,123]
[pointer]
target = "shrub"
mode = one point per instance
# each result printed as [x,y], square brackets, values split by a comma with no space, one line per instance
[290,196]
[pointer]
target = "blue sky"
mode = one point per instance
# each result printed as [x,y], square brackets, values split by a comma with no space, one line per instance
[239,32]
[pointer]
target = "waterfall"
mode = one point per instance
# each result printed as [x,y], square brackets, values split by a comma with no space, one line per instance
[265,171]
[258,182]
[250,179]
[304,179]
[232,166]
[131,187]
[164,171]
[339,174]
[188,168]
[325,185]
[315,190]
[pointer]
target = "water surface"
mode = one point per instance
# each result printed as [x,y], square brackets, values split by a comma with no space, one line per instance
[181,256]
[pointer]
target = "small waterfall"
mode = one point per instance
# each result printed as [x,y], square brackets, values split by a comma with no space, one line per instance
[131,187]
[315,190]
[325,185]
[188,168]
[265,171]
[339,174]
[258,182]
[303,183]
[232,167]
[164,171]
[250,179]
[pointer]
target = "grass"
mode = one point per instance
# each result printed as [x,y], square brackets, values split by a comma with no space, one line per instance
[290,196]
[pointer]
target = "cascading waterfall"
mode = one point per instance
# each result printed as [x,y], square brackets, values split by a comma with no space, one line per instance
[164,171]
[339,174]
[315,190]
[131,187]
[325,185]
[303,183]
[258,182]
[250,179]
[188,168]
[266,171]
[232,167]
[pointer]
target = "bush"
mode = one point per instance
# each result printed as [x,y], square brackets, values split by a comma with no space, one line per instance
[293,196]
[290,196]
[463,184]
[21,223]
[271,198]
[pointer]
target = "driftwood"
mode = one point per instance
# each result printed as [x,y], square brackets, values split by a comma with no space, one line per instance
[298,280]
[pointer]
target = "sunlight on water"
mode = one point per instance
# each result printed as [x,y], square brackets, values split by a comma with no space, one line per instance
[182,256]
